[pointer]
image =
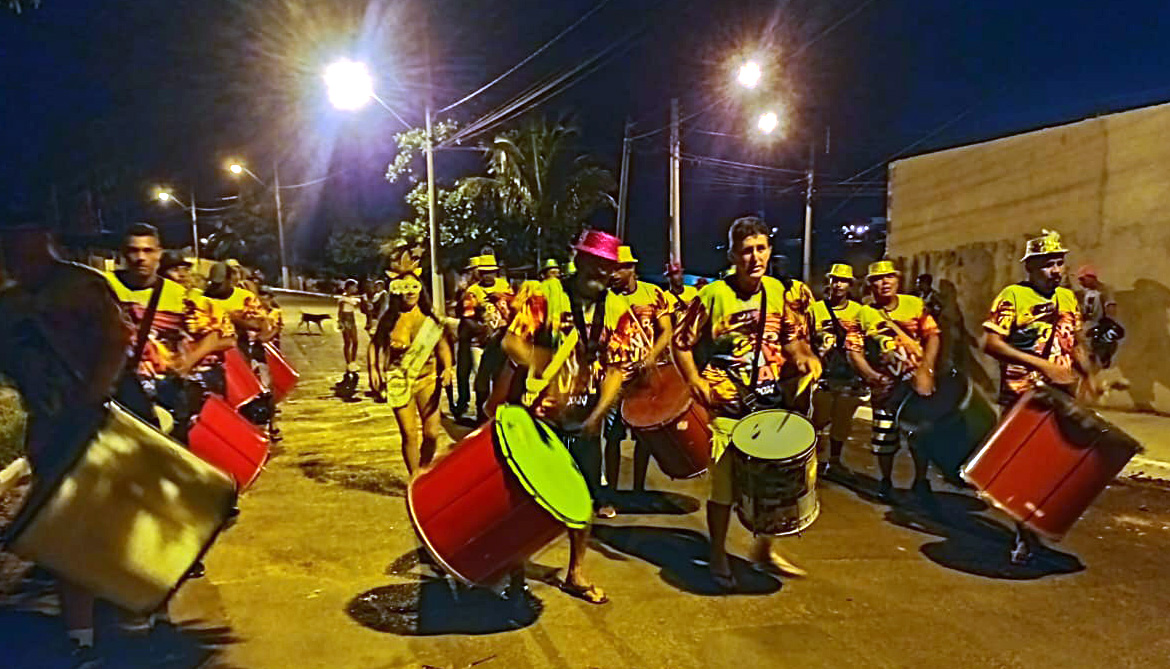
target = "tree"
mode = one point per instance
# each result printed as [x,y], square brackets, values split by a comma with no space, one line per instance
[354,253]
[247,232]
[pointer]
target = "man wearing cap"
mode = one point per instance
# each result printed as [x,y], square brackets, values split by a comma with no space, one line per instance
[734,313]
[176,339]
[63,344]
[652,313]
[576,395]
[839,393]
[487,310]
[550,270]
[1034,330]
[896,343]
[678,293]
[1099,311]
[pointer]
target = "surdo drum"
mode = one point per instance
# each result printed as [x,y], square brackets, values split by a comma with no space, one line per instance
[665,417]
[775,472]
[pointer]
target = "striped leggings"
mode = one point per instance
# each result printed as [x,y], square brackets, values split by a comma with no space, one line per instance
[886,439]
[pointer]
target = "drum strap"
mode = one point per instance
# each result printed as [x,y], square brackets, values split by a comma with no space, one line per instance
[761,322]
[909,341]
[591,337]
[147,322]
[837,327]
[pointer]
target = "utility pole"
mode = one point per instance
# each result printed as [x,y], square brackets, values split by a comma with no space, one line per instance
[194,228]
[284,280]
[808,211]
[436,278]
[624,182]
[675,195]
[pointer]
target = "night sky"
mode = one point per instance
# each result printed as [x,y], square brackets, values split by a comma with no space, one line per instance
[133,94]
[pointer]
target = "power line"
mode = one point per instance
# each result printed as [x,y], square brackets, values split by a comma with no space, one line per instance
[838,24]
[534,54]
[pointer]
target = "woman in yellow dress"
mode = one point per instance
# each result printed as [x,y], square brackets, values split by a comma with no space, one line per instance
[418,365]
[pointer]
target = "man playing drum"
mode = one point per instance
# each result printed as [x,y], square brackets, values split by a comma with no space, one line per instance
[1034,331]
[487,310]
[579,345]
[903,339]
[652,312]
[63,343]
[839,392]
[728,312]
[678,293]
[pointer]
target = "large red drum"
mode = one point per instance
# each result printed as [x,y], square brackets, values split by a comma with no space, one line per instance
[284,377]
[1047,461]
[665,417]
[506,491]
[226,440]
[242,384]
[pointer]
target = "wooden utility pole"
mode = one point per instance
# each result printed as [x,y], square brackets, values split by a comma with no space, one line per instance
[675,194]
[624,182]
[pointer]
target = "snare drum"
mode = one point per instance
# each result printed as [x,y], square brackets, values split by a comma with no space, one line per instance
[128,518]
[502,494]
[775,472]
[665,417]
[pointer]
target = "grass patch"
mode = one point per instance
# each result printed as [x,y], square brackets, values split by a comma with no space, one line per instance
[11,426]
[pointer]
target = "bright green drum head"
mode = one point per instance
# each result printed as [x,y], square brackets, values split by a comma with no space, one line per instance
[543,466]
[773,435]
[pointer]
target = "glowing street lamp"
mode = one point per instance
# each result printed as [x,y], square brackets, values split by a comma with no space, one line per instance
[165,196]
[236,168]
[749,75]
[349,84]
[768,122]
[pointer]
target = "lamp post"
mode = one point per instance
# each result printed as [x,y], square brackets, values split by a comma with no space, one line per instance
[350,87]
[238,169]
[167,196]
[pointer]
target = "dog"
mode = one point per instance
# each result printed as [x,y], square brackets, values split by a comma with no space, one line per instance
[308,320]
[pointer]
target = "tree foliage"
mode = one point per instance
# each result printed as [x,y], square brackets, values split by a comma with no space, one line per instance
[354,252]
[247,232]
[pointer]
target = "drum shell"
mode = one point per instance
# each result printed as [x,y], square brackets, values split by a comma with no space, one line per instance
[128,518]
[242,384]
[776,497]
[474,517]
[284,377]
[1042,466]
[225,439]
[949,425]
[675,428]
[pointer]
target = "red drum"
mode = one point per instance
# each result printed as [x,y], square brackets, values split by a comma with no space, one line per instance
[1047,461]
[664,416]
[284,377]
[241,381]
[506,491]
[225,439]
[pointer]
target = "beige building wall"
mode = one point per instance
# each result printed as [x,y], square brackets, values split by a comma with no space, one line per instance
[1104,184]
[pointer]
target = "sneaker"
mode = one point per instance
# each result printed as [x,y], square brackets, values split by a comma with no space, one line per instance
[885,491]
[85,657]
[1021,553]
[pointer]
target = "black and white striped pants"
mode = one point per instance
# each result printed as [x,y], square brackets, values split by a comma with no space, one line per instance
[886,439]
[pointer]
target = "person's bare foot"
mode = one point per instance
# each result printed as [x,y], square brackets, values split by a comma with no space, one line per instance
[766,558]
[582,589]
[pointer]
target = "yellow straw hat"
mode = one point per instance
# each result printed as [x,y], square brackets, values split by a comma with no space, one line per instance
[881,268]
[1047,244]
[551,263]
[487,262]
[626,255]
[841,271]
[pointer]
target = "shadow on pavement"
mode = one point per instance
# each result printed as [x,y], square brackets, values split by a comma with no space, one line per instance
[682,556]
[651,502]
[436,606]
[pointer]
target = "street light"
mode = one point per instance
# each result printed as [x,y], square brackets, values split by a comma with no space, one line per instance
[238,169]
[768,122]
[749,74]
[166,196]
[351,87]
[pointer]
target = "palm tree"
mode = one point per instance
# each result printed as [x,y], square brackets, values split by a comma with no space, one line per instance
[540,186]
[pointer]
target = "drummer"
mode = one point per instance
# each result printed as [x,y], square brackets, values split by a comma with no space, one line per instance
[652,312]
[678,294]
[905,340]
[577,395]
[839,393]
[63,344]
[729,311]
[1034,331]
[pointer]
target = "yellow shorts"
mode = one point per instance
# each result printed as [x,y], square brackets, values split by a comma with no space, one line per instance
[721,473]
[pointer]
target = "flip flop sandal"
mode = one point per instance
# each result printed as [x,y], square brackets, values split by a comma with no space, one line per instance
[725,582]
[587,593]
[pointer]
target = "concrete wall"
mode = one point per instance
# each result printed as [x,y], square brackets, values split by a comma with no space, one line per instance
[1104,184]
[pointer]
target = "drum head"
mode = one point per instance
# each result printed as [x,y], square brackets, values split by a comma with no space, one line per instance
[543,466]
[773,435]
[656,398]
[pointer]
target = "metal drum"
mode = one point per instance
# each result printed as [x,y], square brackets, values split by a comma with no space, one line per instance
[1048,460]
[665,417]
[950,424]
[502,494]
[128,518]
[775,472]
[242,384]
[224,438]
[284,377]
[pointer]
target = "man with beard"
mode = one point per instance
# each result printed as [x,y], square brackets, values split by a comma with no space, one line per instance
[1034,331]
[737,311]
[580,393]
[63,343]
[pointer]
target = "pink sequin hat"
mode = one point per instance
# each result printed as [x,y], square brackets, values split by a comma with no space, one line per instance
[600,244]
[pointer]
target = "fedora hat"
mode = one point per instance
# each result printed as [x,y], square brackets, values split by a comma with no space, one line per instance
[881,268]
[841,271]
[598,244]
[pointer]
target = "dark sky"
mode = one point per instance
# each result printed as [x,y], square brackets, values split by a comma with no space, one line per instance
[134,94]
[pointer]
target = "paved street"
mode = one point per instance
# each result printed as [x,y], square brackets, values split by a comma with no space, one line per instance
[320,572]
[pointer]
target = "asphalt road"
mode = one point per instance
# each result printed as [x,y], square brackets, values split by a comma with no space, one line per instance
[321,572]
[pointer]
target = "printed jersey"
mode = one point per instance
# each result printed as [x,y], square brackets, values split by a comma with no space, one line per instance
[1027,321]
[178,322]
[798,298]
[830,342]
[681,301]
[241,304]
[546,319]
[648,302]
[733,324]
[491,306]
[896,354]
